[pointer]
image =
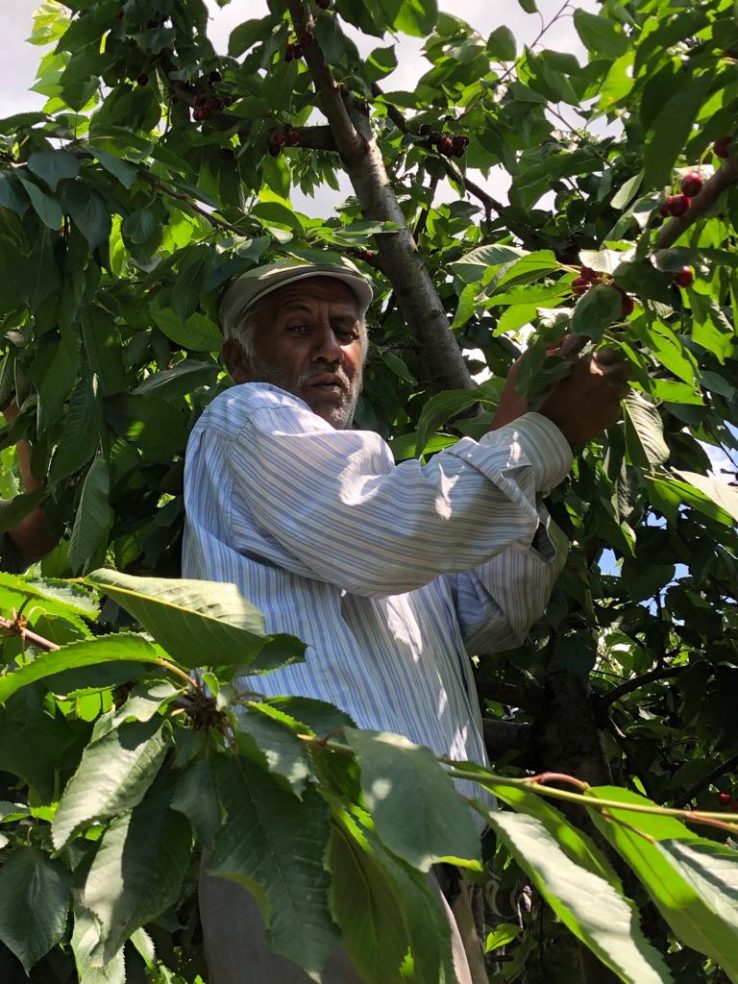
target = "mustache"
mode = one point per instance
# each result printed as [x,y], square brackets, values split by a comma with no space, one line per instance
[339,374]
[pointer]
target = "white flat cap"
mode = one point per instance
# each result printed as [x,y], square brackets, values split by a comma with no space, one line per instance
[250,287]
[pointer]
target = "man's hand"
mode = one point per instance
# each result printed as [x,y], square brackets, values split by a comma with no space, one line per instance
[584,404]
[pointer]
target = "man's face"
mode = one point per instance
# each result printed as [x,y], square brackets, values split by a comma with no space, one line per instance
[307,340]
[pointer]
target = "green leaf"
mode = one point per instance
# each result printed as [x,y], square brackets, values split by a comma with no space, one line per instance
[478,264]
[85,941]
[595,311]
[573,841]
[678,898]
[610,928]
[113,776]
[46,207]
[529,6]
[249,32]
[199,622]
[180,380]
[32,741]
[53,166]
[138,870]
[723,495]
[34,902]
[269,737]
[94,516]
[600,34]
[627,192]
[88,652]
[644,432]
[121,169]
[417,812]
[712,870]
[88,212]
[414,17]
[273,844]
[439,408]
[81,432]
[195,796]
[197,332]
[672,128]
[144,701]
[365,906]
[501,44]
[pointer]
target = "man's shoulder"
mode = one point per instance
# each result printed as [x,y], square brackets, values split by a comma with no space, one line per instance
[230,411]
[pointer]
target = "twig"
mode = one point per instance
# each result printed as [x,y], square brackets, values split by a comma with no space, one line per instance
[707,780]
[182,197]
[660,673]
[15,627]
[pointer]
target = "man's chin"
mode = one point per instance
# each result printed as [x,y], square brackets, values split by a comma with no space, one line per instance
[336,409]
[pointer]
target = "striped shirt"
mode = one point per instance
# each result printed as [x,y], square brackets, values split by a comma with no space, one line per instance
[391,574]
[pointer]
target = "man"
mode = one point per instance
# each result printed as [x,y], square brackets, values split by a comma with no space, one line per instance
[390,574]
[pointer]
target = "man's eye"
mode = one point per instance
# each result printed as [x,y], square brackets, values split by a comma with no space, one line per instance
[299,329]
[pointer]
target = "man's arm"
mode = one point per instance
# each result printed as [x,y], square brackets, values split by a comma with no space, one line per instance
[31,538]
[497,602]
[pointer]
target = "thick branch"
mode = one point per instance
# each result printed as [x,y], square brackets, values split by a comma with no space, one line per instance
[723,178]
[416,295]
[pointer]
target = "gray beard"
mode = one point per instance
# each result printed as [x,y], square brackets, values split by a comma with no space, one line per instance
[340,417]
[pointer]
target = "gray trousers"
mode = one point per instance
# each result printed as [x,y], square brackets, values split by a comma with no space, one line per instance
[237,952]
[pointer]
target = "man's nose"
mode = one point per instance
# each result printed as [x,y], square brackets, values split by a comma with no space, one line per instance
[327,347]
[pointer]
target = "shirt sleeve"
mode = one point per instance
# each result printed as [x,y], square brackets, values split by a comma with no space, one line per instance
[497,602]
[337,508]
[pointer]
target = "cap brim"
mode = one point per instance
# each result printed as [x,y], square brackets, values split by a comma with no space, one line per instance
[248,290]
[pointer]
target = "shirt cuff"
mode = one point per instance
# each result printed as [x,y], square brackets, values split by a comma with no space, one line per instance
[542,443]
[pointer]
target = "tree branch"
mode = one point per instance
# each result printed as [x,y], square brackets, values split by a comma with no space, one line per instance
[723,178]
[416,295]
[707,780]
[660,673]
[182,197]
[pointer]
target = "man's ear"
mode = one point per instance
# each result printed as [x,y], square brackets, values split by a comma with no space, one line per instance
[236,360]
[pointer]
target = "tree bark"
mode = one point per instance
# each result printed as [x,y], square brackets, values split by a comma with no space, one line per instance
[399,259]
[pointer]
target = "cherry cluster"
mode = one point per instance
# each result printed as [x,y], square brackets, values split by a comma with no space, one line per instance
[446,144]
[588,278]
[279,139]
[675,205]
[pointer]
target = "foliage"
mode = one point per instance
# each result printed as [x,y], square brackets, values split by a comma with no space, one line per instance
[151,177]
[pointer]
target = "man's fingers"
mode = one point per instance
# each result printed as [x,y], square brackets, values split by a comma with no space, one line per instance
[572,345]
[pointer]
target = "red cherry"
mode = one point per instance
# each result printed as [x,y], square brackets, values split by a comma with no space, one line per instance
[278,138]
[446,146]
[677,204]
[721,147]
[459,141]
[628,305]
[684,277]
[579,286]
[275,149]
[297,50]
[692,184]
[588,274]
[664,210]
[367,255]
[292,137]
[725,798]
[323,4]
